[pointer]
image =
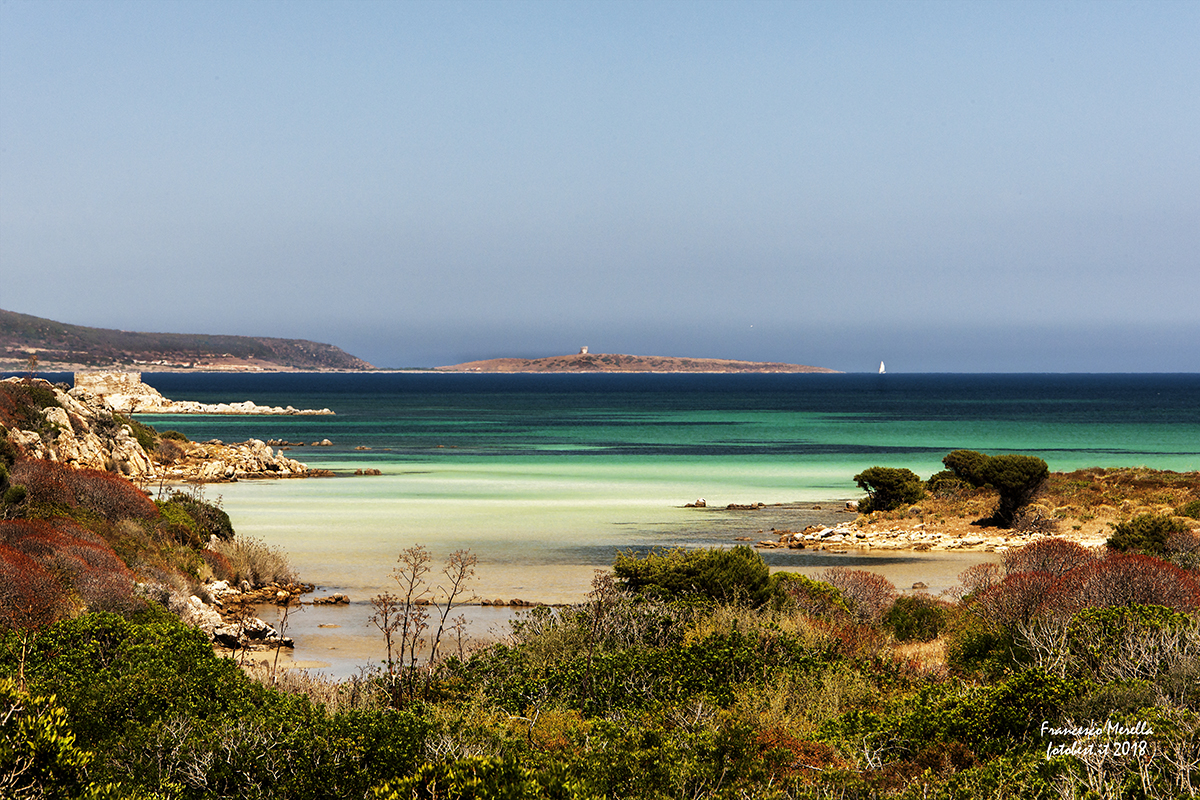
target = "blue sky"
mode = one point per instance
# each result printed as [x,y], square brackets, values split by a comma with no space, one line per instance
[946,186]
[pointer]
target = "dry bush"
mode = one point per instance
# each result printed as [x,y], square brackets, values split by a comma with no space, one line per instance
[1183,542]
[356,693]
[787,757]
[1035,519]
[218,565]
[254,561]
[168,451]
[1056,557]
[868,595]
[1119,644]
[927,657]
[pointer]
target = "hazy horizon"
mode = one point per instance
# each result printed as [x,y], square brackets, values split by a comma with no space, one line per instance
[944,186]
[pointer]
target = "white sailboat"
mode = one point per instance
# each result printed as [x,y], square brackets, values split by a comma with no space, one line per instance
[881,369]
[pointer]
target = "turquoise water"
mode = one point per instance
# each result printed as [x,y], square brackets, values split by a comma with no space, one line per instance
[545,477]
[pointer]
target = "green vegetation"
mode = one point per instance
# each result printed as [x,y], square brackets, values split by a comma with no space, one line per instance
[729,576]
[1191,509]
[646,693]
[1146,533]
[888,488]
[916,617]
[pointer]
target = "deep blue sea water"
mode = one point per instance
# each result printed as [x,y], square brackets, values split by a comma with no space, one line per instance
[545,477]
[1070,420]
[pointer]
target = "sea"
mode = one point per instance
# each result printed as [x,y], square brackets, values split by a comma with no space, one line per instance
[546,477]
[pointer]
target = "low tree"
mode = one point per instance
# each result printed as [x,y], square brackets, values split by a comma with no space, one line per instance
[1016,478]
[888,488]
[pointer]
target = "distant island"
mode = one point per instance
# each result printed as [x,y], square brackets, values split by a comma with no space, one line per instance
[58,346]
[584,361]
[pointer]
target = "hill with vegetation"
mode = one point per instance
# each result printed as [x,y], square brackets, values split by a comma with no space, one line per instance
[65,347]
[613,362]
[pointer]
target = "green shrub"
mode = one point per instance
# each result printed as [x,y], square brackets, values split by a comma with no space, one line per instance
[1191,509]
[915,617]
[203,518]
[14,495]
[1145,533]
[888,488]
[38,754]
[967,465]
[160,710]
[813,598]
[728,576]
[946,484]
[983,649]
[8,451]
[468,779]
[174,436]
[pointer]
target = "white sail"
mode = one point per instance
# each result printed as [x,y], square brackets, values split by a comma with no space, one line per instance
[881,369]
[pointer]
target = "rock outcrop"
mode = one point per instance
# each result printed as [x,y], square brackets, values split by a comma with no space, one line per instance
[79,430]
[81,434]
[124,393]
[216,462]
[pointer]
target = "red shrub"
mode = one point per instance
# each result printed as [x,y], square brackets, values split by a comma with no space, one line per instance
[222,570]
[84,563]
[1122,580]
[105,493]
[868,595]
[784,755]
[980,577]
[29,596]
[1017,599]
[1054,556]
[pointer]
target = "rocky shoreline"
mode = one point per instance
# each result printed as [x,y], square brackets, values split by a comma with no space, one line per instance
[849,536]
[78,429]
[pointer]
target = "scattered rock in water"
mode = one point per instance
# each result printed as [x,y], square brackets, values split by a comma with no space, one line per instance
[332,600]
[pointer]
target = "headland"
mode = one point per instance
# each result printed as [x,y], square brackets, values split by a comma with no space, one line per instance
[61,347]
